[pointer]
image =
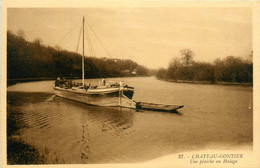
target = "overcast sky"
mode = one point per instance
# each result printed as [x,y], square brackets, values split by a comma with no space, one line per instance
[149,36]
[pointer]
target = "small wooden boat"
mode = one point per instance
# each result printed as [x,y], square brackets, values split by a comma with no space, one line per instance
[157,107]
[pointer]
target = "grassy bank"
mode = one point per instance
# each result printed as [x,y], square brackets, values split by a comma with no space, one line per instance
[19,152]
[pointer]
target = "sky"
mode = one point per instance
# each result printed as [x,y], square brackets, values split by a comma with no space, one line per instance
[150,36]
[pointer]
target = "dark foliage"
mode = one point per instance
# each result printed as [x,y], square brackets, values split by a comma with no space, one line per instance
[33,60]
[21,153]
[230,69]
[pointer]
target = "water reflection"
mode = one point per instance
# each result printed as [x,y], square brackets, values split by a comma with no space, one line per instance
[107,122]
[58,127]
[108,118]
[159,111]
[68,132]
[115,121]
[84,149]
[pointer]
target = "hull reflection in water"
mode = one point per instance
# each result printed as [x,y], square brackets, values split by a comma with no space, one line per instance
[111,121]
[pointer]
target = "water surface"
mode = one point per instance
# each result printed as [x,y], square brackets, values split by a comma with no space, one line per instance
[65,131]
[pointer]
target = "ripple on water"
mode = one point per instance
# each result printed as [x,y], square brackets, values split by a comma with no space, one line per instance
[69,132]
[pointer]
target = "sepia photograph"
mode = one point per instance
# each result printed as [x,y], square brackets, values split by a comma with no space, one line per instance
[129,84]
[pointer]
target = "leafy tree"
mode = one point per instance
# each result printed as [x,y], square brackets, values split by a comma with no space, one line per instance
[162,73]
[33,60]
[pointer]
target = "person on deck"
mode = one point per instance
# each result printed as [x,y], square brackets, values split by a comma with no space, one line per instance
[103,82]
[57,82]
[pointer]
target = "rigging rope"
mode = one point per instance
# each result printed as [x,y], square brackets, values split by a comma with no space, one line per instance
[92,52]
[90,46]
[77,48]
[99,40]
[68,33]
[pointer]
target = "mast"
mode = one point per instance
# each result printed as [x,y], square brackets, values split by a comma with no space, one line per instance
[83,76]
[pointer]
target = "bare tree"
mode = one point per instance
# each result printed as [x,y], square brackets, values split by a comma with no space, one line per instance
[187,56]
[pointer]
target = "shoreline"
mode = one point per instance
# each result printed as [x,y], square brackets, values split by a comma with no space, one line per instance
[23,80]
[18,151]
[206,82]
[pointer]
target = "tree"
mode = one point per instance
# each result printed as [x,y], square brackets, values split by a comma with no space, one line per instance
[218,69]
[187,56]
[162,73]
[37,41]
[173,68]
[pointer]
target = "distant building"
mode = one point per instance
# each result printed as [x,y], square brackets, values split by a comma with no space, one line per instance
[126,71]
[129,72]
[134,72]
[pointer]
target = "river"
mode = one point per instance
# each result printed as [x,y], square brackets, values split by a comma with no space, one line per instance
[64,131]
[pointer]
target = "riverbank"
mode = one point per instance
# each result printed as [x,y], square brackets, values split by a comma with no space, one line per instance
[18,151]
[206,82]
[11,82]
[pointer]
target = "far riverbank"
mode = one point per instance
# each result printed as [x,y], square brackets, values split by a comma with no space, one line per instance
[206,82]
[23,80]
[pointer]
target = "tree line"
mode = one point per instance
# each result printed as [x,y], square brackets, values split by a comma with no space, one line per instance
[34,60]
[229,69]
